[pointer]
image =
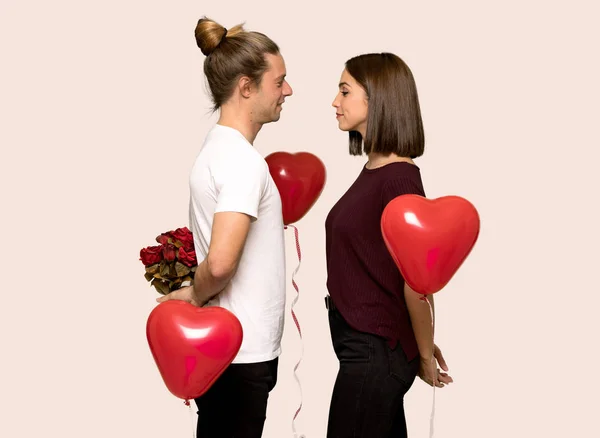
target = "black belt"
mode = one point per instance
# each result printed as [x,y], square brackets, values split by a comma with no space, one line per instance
[329,303]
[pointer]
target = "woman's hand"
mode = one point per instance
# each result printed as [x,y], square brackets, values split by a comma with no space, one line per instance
[429,371]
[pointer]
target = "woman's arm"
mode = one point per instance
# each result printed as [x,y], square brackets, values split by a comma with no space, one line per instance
[421,318]
[423,323]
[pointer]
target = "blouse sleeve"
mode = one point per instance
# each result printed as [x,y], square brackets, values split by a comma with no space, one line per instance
[400,186]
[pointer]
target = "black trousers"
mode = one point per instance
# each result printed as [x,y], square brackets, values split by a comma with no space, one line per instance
[235,406]
[368,395]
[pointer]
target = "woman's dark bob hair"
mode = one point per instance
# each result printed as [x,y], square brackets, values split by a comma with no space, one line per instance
[394,122]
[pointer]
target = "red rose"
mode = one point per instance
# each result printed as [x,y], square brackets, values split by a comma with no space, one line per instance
[184,236]
[162,239]
[188,258]
[169,252]
[151,255]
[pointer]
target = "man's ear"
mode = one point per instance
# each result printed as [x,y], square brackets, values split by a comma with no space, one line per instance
[246,86]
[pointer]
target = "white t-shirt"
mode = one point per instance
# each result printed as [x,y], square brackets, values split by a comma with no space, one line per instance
[229,174]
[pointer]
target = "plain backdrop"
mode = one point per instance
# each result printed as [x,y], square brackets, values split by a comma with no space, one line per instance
[103,108]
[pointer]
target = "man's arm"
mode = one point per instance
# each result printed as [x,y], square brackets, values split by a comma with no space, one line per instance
[212,275]
[239,186]
[229,232]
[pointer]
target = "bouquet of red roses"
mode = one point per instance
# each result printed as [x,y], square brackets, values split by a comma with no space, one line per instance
[172,262]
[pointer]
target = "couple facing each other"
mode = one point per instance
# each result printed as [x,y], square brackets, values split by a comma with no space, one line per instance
[380,329]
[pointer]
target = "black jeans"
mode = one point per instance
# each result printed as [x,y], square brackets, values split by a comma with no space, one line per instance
[368,395]
[235,406]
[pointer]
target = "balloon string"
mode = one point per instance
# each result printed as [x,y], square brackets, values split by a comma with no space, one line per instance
[187,403]
[433,369]
[299,253]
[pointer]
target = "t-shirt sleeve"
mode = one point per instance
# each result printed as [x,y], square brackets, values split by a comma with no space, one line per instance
[400,186]
[241,186]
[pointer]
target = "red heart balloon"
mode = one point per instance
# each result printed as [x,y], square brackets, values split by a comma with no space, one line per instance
[429,239]
[192,346]
[300,179]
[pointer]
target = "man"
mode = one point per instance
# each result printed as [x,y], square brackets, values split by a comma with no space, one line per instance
[236,220]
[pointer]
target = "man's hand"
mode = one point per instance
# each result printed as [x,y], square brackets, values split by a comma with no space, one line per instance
[185,293]
[430,373]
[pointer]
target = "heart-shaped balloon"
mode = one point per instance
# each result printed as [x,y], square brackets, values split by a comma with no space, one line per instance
[192,346]
[300,179]
[429,239]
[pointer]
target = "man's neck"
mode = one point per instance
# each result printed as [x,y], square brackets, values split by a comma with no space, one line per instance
[240,120]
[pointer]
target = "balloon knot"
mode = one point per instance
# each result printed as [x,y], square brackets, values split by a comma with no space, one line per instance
[186,402]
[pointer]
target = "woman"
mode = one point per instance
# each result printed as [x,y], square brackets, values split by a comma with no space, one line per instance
[381,330]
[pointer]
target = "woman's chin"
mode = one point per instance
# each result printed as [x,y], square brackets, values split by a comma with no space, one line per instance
[342,127]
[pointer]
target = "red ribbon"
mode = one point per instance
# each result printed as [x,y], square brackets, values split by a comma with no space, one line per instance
[297,325]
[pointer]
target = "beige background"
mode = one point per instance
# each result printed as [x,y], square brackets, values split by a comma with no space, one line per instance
[103,109]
